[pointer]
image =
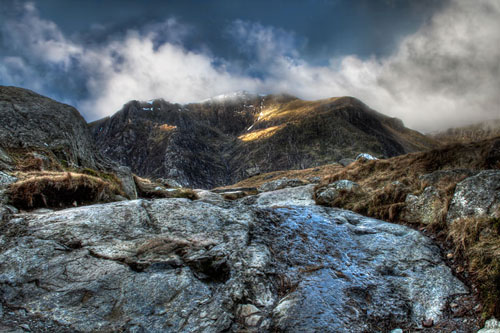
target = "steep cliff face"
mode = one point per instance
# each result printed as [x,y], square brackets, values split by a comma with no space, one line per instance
[42,141]
[34,123]
[225,139]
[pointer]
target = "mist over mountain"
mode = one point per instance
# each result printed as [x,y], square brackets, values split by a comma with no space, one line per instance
[230,137]
[434,67]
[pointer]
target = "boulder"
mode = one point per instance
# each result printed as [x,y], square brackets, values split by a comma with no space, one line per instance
[426,208]
[128,183]
[210,197]
[366,157]
[476,196]
[314,179]
[346,161]
[301,195]
[280,183]
[491,326]
[326,195]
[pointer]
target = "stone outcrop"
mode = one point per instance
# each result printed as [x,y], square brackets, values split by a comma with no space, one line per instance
[280,183]
[426,208]
[326,195]
[34,122]
[491,326]
[476,196]
[269,262]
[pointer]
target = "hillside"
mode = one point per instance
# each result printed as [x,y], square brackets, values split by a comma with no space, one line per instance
[226,139]
[451,192]
[471,133]
[34,123]
[49,151]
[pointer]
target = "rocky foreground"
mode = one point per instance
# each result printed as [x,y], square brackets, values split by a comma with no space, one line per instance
[268,262]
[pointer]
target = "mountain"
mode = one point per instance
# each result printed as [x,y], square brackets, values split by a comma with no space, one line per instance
[231,137]
[49,148]
[470,133]
[32,123]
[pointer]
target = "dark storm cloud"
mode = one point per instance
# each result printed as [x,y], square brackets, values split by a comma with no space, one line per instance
[432,71]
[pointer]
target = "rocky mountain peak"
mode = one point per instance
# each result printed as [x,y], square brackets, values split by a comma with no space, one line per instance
[230,137]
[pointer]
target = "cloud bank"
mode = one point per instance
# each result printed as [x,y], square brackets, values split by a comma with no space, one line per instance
[445,74]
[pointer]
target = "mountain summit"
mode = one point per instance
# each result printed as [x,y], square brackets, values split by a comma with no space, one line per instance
[230,137]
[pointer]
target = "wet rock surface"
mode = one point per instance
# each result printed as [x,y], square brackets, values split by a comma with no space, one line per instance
[269,262]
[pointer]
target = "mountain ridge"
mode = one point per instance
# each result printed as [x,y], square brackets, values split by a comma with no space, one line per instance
[234,138]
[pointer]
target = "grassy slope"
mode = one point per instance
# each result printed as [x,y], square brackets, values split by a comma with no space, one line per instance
[304,175]
[471,133]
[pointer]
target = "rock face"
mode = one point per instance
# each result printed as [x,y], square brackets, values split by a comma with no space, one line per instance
[222,141]
[31,121]
[255,264]
[425,208]
[279,184]
[328,194]
[491,326]
[476,196]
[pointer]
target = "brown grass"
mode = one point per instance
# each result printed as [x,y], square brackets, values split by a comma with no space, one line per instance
[59,189]
[149,189]
[26,160]
[304,175]
[386,183]
[477,240]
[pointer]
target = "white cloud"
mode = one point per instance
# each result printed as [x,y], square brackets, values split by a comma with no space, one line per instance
[445,74]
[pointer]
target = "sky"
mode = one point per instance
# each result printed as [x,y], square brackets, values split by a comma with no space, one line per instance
[434,64]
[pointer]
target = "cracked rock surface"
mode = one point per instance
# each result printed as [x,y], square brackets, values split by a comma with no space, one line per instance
[257,264]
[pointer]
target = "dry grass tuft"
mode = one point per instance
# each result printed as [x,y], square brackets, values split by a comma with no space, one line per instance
[149,190]
[59,189]
[386,183]
[477,240]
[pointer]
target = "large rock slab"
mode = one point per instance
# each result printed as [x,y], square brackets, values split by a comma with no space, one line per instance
[256,264]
